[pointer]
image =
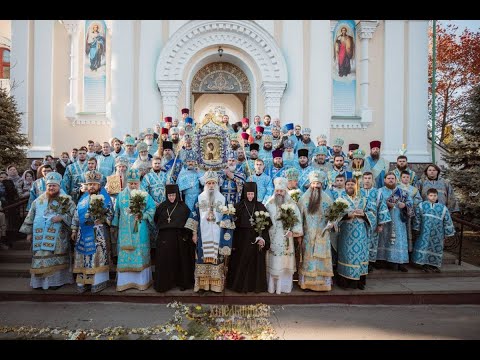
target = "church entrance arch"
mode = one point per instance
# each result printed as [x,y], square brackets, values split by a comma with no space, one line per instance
[223,88]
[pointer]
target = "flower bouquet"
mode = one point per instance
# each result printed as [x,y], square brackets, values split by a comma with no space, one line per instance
[228,210]
[288,218]
[137,205]
[96,208]
[335,213]
[62,205]
[295,194]
[260,223]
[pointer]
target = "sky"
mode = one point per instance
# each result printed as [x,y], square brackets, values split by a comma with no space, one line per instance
[472,25]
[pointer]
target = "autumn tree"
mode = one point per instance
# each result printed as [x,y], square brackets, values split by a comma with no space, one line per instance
[463,158]
[457,72]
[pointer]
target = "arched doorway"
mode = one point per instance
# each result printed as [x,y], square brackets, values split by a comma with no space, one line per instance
[223,88]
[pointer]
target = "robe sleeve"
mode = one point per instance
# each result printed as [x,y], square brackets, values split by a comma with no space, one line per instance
[68,216]
[448,224]
[66,180]
[417,220]
[116,211]
[452,203]
[75,220]
[27,226]
[193,221]
[297,229]
[149,211]
[383,215]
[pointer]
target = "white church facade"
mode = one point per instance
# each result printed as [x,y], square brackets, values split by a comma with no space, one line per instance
[360,80]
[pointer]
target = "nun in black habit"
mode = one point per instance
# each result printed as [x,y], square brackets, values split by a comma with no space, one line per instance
[247,266]
[175,252]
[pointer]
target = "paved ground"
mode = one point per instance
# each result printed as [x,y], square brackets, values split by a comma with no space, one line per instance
[290,322]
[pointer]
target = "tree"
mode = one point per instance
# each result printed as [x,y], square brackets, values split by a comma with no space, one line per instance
[457,72]
[12,142]
[464,158]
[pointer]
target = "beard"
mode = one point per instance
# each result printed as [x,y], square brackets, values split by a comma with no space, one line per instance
[288,155]
[241,158]
[278,165]
[253,157]
[391,187]
[267,148]
[190,167]
[303,166]
[211,196]
[314,200]
[123,174]
[350,192]
[235,146]
[232,168]
[175,141]
[149,141]
[279,200]
[143,157]
[402,168]
[318,162]
[168,157]
[375,156]
[52,195]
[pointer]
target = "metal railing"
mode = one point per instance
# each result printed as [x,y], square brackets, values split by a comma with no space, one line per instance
[456,241]
[15,214]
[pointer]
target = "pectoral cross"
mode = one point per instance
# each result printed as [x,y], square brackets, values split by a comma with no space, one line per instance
[169,219]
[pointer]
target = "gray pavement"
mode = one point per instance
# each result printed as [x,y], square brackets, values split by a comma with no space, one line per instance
[290,322]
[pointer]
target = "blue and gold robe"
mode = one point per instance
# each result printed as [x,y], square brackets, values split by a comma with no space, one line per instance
[264,186]
[73,178]
[354,237]
[189,186]
[231,188]
[393,240]
[106,164]
[445,192]
[51,241]
[38,188]
[316,271]
[378,168]
[434,223]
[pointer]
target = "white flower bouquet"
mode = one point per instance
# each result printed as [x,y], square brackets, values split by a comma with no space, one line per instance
[137,205]
[295,194]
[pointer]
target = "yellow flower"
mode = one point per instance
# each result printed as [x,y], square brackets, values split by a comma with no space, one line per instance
[198,308]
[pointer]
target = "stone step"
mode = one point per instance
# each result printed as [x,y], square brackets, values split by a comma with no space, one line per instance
[21,245]
[15,270]
[449,258]
[429,290]
[15,256]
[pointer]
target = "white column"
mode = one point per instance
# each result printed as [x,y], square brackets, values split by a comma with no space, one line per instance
[149,99]
[43,46]
[292,46]
[366,29]
[417,92]
[71,108]
[273,93]
[394,86]
[320,87]
[122,64]
[19,72]
[170,91]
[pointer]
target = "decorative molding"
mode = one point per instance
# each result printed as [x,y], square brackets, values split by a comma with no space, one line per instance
[39,151]
[354,122]
[197,35]
[83,121]
[366,28]
[273,93]
[71,26]
[220,77]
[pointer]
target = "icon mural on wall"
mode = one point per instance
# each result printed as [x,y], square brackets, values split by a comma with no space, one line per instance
[344,68]
[95,75]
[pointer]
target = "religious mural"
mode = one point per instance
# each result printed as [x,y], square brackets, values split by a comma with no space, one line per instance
[344,68]
[94,69]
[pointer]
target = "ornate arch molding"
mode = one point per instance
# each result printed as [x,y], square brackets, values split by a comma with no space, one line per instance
[220,77]
[197,35]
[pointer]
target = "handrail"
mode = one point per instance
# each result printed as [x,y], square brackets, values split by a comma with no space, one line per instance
[463,223]
[16,205]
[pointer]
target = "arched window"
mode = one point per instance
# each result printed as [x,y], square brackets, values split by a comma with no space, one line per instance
[4,63]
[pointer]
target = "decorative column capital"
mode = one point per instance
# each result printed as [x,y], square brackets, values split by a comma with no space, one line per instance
[366,28]
[170,90]
[71,26]
[273,89]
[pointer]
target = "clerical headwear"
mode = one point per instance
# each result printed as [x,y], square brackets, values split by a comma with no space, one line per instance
[321,150]
[188,120]
[338,142]
[288,144]
[93,177]
[275,128]
[168,119]
[259,129]
[359,154]
[167,145]
[141,135]
[174,130]
[171,189]
[185,111]
[210,176]
[280,183]
[302,152]
[307,131]
[245,136]
[121,160]
[292,174]
[250,186]
[245,121]
[53,178]
[129,141]
[289,126]
[352,147]
[142,146]
[316,176]
[267,138]
[234,136]
[254,146]
[148,131]
[375,143]
[191,156]
[277,153]
[133,175]
[321,137]
[164,131]
[231,154]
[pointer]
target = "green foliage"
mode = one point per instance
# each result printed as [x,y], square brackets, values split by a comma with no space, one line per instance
[12,143]
[464,159]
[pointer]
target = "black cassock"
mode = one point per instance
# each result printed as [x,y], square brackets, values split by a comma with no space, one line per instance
[247,270]
[175,252]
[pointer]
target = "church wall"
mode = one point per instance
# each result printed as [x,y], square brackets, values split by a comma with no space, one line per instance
[232,104]
[5,29]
